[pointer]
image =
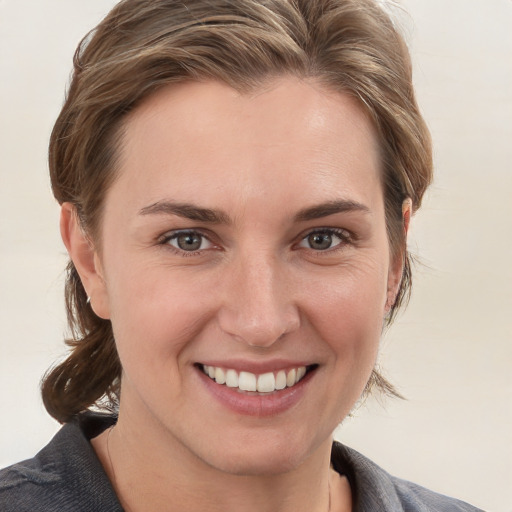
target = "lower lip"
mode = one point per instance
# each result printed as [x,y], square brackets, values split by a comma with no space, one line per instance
[252,404]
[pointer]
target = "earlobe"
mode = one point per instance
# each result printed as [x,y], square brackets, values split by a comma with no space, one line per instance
[85,258]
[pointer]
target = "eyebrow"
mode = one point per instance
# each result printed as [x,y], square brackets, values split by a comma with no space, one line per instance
[330,208]
[208,215]
[188,211]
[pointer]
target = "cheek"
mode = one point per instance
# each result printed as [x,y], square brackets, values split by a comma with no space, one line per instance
[348,319]
[348,312]
[153,319]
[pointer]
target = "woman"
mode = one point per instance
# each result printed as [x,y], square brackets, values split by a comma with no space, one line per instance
[236,181]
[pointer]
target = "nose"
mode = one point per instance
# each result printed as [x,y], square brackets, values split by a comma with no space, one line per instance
[258,307]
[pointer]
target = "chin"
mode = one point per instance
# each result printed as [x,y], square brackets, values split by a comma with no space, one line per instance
[256,464]
[260,457]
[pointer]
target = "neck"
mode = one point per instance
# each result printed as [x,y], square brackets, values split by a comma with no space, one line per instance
[155,472]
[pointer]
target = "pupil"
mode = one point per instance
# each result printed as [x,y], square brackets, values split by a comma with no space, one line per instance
[189,242]
[320,241]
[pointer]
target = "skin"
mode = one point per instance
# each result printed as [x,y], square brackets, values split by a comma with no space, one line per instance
[255,291]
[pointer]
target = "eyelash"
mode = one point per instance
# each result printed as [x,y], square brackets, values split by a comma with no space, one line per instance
[343,235]
[165,239]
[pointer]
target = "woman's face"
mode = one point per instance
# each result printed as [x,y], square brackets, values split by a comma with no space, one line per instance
[245,239]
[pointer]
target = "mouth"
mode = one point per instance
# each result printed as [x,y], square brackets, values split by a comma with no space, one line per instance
[264,383]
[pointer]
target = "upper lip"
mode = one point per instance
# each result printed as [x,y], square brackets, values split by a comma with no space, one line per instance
[256,367]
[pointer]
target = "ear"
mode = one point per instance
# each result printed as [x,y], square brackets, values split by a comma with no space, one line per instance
[86,260]
[397,265]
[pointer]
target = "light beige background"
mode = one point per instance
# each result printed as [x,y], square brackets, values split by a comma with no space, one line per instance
[450,354]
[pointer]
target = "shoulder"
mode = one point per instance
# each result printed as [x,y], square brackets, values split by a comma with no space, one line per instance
[24,482]
[375,490]
[65,475]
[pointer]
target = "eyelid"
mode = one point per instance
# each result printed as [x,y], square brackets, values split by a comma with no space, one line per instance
[345,236]
[163,240]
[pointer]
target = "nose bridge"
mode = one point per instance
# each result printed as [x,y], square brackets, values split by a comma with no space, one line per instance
[258,307]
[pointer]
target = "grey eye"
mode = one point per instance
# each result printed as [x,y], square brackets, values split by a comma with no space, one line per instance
[189,241]
[321,240]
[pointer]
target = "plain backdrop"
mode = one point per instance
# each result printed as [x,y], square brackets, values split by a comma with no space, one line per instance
[450,353]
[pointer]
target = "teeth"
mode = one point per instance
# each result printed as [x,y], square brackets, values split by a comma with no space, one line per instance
[266,383]
[247,381]
[220,376]
[281,379]
[291,378]
[231,379]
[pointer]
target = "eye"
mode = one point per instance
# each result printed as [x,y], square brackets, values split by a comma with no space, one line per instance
[324,239]
[188,241]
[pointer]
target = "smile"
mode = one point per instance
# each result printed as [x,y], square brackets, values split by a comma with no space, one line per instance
[263,383]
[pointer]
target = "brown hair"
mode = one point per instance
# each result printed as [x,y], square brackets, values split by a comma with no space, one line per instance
[142,45]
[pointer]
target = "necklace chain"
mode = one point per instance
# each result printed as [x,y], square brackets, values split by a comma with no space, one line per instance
[110,430]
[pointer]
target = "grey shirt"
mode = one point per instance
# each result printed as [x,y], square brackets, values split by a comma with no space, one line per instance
[67,476]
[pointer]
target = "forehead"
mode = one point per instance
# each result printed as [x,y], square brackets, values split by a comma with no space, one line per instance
[288,136]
